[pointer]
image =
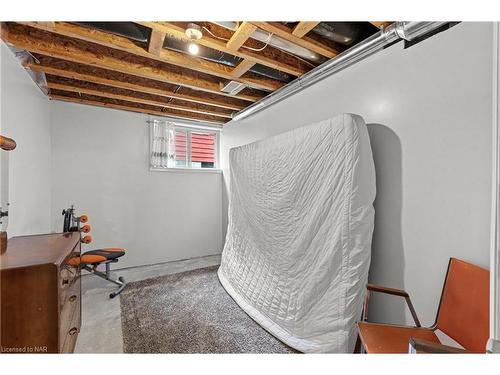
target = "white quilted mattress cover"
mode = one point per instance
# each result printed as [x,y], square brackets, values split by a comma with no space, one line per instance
[298,244]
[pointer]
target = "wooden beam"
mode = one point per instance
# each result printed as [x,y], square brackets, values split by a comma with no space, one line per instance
[155,44]
[130,86]
[36,41]
[381,24]
[284,32]
[48,24]
[240,36]
[263,58]
[129,108]
[155,52]
[242,68]
[303,27]
[133,99]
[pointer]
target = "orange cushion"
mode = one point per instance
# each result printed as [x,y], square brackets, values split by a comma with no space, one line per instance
[113,249]
[86,259]
[383,338]
[74,262]
[96,256]
[89,259]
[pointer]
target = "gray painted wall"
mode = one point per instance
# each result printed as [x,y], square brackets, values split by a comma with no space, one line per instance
[429,113]
[100,164]
[25,117]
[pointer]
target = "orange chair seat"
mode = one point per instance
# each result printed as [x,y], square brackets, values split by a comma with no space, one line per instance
[382,338]
[97,256]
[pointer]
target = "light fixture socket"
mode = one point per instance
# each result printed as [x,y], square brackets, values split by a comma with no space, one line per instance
[193,31]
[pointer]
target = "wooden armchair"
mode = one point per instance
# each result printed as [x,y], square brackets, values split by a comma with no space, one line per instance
[463,315]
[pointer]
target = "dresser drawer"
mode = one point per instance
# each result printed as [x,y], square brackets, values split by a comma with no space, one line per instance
[69,283]
[70,303]
[69,277]
[69,300]
[70,318]
[68,337]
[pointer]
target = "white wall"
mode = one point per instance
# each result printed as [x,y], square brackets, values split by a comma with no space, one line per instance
[429,113]
[495,206]
[100,164]
[25,117]
[97,159]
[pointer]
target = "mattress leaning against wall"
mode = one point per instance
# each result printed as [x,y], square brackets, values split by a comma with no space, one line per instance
[299,236]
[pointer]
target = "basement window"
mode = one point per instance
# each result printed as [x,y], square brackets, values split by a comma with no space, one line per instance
[181,147]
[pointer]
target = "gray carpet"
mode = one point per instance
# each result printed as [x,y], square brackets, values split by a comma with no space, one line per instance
[189,312]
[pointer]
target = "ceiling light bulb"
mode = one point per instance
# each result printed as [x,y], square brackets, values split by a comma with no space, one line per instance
[193,49]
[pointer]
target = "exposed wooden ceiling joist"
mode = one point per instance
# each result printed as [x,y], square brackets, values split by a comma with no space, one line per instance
[242,68]
[380,24]
[48,24]
[122,106]
[157,53]
[303,27]
[91,66]
[67,73]
[133,99]
[38,41]
[240,36]
[155,44]
[271,58]
[284,32]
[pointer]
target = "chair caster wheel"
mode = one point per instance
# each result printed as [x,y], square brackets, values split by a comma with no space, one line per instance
[112,295]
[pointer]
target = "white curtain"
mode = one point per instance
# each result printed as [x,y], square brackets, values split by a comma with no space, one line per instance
[163,145]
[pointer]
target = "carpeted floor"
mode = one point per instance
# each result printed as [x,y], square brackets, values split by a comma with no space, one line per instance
[189,312]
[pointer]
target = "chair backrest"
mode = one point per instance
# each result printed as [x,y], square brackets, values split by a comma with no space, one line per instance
[464,308]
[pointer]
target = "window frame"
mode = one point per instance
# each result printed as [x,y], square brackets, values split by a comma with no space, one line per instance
[188,129]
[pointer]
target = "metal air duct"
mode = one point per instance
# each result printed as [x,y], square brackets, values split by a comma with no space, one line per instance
[129,30]
[393,33]
[211,54]
[345,33]
[141,34]
[278,42]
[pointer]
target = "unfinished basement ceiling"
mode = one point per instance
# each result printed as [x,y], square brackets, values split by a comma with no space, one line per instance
[147,67]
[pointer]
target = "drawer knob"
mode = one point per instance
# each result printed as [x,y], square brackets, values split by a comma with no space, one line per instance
[72,298]
[73,330]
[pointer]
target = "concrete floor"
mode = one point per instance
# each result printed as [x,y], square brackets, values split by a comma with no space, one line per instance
[101,330]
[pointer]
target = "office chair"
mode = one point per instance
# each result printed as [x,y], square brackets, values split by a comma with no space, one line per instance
[463,315]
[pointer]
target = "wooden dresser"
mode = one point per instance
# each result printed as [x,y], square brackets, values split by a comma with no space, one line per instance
[40,294]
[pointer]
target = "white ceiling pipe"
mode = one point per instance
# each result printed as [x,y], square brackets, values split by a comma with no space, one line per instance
[376,42]
[276,41]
